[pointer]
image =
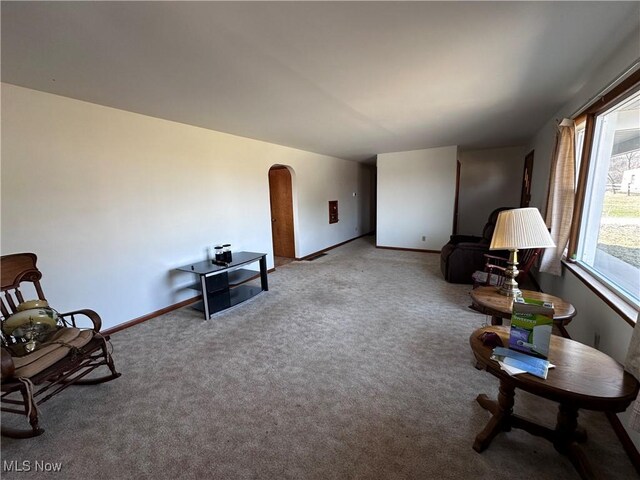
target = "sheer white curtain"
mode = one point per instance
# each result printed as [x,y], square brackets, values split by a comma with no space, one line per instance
[562,190]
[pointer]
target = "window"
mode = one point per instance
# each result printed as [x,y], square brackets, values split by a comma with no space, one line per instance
[608,239]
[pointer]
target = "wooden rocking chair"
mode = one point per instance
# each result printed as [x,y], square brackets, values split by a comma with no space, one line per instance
[495,266]
[63,357]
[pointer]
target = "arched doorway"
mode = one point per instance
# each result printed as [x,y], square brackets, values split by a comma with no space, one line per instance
[281,198]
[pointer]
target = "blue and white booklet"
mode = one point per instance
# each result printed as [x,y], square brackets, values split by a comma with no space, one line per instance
[521,361]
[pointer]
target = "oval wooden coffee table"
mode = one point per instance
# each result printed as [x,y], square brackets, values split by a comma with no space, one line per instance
[487,300]
[583,378]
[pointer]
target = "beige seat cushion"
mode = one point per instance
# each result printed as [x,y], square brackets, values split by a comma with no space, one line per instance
[53,350]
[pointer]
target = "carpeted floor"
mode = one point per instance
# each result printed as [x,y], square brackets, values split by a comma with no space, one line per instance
[354,366]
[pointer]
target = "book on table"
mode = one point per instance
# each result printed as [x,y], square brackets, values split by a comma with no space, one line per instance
[521,361]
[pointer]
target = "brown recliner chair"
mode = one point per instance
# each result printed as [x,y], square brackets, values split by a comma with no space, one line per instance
[464,254]
[63,355]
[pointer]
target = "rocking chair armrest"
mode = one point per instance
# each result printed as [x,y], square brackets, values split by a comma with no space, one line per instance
[495,258]
[6,364]
[491,268]
[92,315]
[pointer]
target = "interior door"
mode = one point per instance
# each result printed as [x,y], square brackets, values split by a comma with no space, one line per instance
[281,212]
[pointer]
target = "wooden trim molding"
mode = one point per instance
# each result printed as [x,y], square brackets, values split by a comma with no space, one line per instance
[628,312]
[189,301]
[151,315]
[333,246]
[423,250]
[616,95]
[581,188]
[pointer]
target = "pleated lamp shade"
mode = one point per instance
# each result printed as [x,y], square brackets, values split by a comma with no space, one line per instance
[520,228]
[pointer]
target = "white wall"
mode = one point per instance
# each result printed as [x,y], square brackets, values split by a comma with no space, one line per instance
[112,201]
[594,315]
[416,192]
[319,179]
[489,179]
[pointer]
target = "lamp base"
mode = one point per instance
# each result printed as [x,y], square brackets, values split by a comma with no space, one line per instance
[510,291]
[510,287]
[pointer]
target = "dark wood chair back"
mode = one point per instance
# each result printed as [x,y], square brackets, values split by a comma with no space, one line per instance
[16,269]
[528,258]
[495,266]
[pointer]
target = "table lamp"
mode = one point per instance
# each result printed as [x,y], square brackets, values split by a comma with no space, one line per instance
[517,229]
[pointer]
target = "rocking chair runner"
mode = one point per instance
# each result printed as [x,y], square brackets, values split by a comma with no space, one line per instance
[63,359]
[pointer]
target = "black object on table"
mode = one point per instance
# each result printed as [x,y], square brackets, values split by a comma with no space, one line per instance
[225,285]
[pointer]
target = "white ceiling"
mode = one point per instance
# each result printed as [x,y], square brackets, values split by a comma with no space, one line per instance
[348,79]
